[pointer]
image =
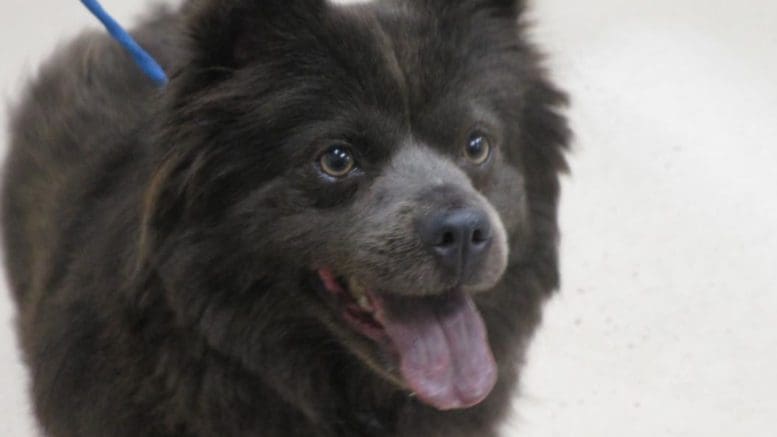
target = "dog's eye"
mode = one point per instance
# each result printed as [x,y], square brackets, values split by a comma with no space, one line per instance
[478,148]
[337,161]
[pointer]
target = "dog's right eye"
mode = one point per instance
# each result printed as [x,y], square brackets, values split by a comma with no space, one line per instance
[337,161]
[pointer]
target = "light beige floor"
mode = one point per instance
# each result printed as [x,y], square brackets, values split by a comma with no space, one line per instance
[667,322]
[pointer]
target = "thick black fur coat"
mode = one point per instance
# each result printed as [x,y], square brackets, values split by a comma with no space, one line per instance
[248,251]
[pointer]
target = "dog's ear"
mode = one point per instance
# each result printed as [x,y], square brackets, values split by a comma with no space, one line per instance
[231,33]
[503,8]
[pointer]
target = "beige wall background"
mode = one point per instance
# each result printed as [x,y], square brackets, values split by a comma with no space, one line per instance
[667,321]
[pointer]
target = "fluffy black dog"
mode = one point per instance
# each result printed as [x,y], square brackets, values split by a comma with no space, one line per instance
[335,221]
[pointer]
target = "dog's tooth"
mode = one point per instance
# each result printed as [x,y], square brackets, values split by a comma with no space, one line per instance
[356,288]
[364,303]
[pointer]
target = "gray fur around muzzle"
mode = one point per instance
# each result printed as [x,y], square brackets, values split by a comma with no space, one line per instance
[423,229]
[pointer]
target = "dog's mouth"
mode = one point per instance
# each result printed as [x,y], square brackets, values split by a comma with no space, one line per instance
[440,341]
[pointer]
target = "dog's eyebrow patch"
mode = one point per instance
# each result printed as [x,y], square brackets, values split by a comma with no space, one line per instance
[389,52]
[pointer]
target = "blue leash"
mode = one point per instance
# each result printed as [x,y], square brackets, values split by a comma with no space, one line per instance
[146,63]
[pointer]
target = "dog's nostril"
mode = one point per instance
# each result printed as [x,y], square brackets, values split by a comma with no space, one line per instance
[448,239]
[477,236]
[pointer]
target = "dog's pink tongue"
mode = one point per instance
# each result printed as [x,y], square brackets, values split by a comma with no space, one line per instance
[443,346]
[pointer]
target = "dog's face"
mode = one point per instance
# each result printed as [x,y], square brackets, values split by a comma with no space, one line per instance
[356,174]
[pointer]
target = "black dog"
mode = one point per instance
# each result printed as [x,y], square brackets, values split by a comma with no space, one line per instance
[335,221]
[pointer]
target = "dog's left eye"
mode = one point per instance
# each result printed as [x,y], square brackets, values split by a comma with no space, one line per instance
[478,148]
[337,161]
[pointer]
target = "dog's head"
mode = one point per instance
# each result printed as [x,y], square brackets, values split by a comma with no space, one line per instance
[354,179]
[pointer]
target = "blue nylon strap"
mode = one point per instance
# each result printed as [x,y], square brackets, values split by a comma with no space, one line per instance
[146,63]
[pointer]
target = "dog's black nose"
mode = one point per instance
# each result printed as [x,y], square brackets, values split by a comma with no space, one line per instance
[459,239]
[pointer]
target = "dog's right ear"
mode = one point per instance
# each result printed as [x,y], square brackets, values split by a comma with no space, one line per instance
[505,8]
[229,34]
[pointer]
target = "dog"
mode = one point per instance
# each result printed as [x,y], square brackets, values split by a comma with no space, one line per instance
[336,220]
